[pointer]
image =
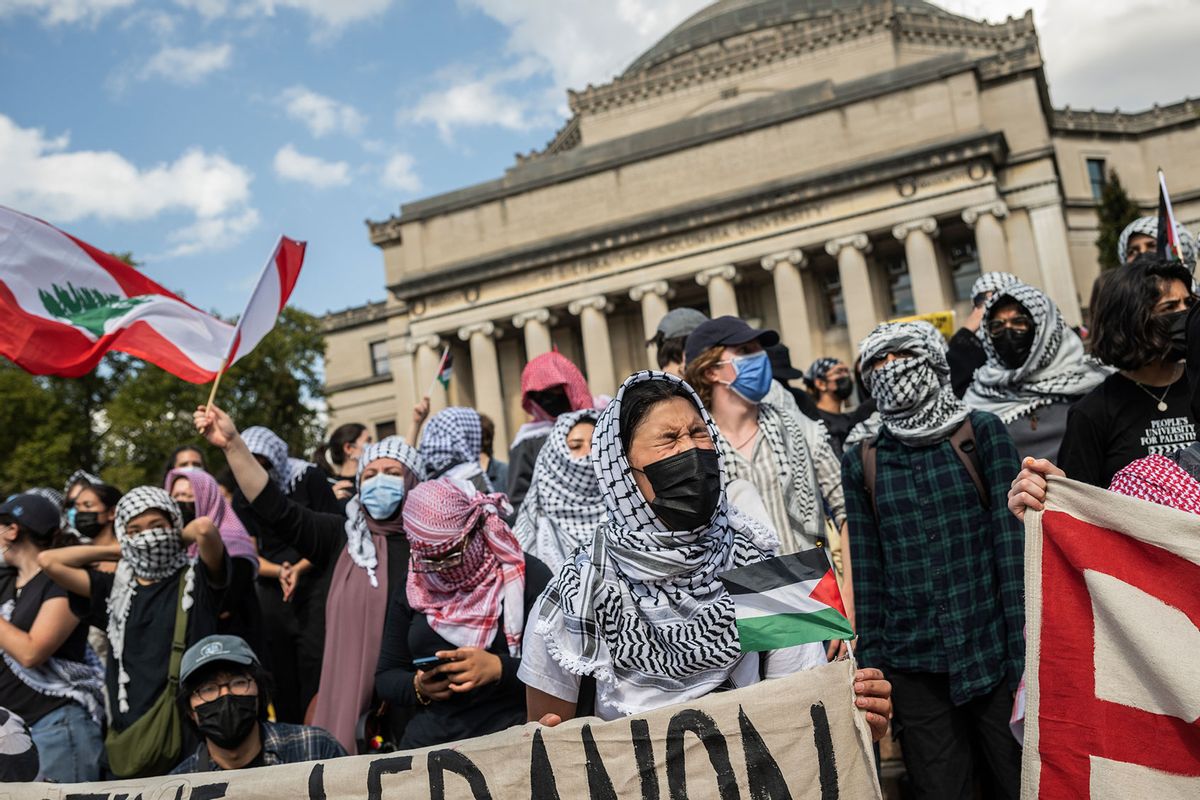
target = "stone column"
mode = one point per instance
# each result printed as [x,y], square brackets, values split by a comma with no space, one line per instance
[428,350]
[794,325]
[722,299]
[536,324]
[597,349]
[862,315]
[485,371]
[924,269]
[1054,259]
[653,297]
[990,241]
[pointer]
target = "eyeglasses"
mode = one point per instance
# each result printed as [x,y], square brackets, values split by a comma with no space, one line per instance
[1020,324]
[448,560]
[207,692]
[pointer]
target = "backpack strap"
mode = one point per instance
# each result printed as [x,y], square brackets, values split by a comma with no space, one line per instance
[179,637]
[963,441]
[870,457]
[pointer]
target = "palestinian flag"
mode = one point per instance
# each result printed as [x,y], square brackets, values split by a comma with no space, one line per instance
[786,601]
[446,370]
[1168,246]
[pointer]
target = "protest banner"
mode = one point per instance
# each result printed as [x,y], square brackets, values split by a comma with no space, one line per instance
[1113,647]
[796,737]
[942,320]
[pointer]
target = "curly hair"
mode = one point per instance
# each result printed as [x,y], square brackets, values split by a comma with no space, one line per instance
[695,371]
[1125,333]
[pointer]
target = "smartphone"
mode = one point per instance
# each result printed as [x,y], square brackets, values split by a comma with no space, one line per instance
[429,662]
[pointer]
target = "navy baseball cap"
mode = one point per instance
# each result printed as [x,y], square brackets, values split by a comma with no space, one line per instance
[726,331]
[33,512]
[213,649]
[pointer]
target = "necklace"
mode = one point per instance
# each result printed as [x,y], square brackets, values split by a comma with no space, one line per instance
[1162,401]
[746,441]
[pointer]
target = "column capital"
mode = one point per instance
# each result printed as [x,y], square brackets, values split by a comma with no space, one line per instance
[432,341]
[487,328]
[541,315]
[859,241]
[728,272]
[794,257]
[659,288]
[927,225]
[597,302]
[997,208]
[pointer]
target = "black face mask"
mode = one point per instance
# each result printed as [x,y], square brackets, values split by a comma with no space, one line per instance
[554,401]
[687,487]
[1175,326]
[88,523]
[228,720]
[843,387]
[1013,347]
[187,510]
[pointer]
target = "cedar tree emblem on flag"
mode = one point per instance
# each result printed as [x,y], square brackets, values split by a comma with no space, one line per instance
[786,601]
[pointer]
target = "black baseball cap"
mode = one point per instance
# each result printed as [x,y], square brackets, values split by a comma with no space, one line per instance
[781,363]
[33,512]
[725,331]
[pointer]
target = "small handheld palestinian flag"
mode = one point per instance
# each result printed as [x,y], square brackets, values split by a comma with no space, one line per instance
[786,601]
[446,370]
[1168,245]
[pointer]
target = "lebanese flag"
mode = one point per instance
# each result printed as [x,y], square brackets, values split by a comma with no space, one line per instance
[1112,677]
[786,601]
[1168,245]
[64,304]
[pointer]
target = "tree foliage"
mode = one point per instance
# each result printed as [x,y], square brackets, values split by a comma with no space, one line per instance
[1115,211]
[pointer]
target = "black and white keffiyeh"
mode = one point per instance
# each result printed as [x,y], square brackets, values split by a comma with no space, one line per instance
[285,471]
[564,503]
[1148,226]
[641,605]
[453,436]
[1057,368]
[991,282]
[78,681]
[358,538]
[152,555]
[915,400]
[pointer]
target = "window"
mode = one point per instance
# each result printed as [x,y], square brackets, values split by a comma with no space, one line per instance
[835,305]
[963,260]
[385,429]
[900,288]
[1096,175]
[379,358]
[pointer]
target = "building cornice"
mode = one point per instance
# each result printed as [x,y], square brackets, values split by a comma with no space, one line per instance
[357,316]
[361,383]
[1119,123]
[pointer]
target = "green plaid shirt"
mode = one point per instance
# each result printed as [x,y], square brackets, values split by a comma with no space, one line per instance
[939,581]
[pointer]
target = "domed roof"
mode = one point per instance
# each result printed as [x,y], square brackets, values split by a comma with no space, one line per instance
[727,18]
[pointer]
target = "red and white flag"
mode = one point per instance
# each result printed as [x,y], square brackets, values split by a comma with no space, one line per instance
[64,304]
[1112,593]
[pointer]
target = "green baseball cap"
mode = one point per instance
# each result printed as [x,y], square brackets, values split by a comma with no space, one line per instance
[213,649]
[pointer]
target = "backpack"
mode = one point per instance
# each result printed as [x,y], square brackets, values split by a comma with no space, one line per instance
[963,442]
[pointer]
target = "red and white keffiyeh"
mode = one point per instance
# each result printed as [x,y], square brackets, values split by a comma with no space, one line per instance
[463,603]
[548,371]
[1160,480]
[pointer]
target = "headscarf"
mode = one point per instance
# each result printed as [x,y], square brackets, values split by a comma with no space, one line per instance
[1148,226]
[1160,480]
[547,371]
[357,601]
[819,369]
[80,476]
[212,504]
[564,503]
[915,400]
[1056,370]
[453,436]
[463,603]
[285,471]
[993,282]
[151,555]
[641,605]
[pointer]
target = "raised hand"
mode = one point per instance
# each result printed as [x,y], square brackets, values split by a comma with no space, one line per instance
[214,425]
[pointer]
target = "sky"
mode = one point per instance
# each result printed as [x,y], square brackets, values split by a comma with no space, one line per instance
[193,133]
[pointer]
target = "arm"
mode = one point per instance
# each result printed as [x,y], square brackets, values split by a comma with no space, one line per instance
[208,542]
[318,536]
[867,558]
[66,565]
[54,623]
[965,354]
[847,585]
[420,414]
[546,708]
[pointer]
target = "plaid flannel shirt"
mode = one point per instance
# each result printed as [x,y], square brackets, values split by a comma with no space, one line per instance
[282,744]
[939,580]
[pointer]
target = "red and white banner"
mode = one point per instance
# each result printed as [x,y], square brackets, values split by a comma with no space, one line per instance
[64,304]
[1112,592]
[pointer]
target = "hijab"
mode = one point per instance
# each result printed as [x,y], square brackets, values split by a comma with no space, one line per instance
[285,471]
[212,504]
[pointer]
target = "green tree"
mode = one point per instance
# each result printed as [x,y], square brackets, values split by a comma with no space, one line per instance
[1115,211]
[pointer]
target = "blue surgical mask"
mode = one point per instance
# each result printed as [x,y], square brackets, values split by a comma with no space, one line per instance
[754,375]
[381,496]
[71,516]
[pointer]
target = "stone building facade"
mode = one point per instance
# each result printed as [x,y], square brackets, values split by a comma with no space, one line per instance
[811,166]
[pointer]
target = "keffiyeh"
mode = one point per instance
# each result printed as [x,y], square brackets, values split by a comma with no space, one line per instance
[993,282]
[452,437]
[79,681]
[1148,226]
[547,371]
[212,504]
[1160,480]
[915,400]
[1057,368]
[285,471]
[153,555]
[819,369]
[641,606]
[464,602]
[564,503]
[359,545]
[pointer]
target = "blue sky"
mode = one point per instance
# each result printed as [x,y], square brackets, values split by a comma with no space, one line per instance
[193,132]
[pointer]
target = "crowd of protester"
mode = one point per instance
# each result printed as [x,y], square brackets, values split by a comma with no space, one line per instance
[419,590]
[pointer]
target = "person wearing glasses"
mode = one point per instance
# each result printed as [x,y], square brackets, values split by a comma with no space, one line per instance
[224,692]
[1035,370]
[452,644]
[966,354]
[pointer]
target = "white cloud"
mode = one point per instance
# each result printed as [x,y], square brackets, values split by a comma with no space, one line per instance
[329,14]
[399,174]
[322,115]
[43,177]
[292,165]
[473,102]
[188,65]
[55,12]
[216,233]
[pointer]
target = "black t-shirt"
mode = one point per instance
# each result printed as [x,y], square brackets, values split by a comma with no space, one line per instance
[15,695]
[1118,422]
[149,629]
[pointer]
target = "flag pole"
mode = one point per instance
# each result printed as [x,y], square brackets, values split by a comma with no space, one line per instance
[441,363]
[212,395]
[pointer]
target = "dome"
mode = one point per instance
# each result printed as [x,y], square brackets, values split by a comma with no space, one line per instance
[727,18]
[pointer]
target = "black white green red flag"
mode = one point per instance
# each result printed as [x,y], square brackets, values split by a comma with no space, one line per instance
[1167,245]
[787,601]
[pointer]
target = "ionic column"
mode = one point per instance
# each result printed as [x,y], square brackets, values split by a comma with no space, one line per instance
[924,270]
[990,241]
[722,299]
[536,324]
[1054,258]
[485,372]
[597,349]
[653,297]
[794,326]
[428,351]
[862,315]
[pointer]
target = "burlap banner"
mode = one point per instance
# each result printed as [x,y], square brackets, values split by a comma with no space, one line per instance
[796,737]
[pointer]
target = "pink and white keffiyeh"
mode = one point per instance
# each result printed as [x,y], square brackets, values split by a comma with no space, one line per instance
[1160,480]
